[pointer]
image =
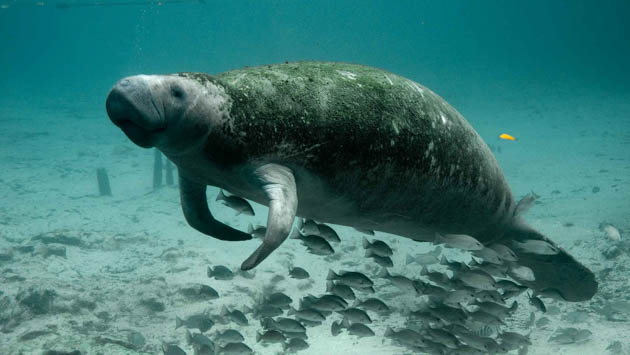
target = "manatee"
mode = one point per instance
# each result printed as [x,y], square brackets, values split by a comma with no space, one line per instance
[338,143]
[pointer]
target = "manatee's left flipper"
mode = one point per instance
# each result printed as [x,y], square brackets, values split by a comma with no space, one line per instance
[197,213]
[279,185]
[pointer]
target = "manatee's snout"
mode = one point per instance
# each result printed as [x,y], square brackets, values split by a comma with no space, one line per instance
[134,106]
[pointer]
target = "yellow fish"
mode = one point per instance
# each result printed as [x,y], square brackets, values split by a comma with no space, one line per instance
[507,137]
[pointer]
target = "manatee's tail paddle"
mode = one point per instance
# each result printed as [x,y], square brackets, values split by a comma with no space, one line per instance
[557,270]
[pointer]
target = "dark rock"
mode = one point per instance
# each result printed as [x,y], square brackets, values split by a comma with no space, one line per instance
[137,339]
[33,334]
[6,254]
[38,301]
[71,238]
[153,304]
[595,189]
[612,252]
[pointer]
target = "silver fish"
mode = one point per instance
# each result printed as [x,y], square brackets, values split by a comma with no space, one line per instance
[328,233]
[504,252]
[235,316]
[239,204]
[308,226]
[299,273]
[229,336]
[429,258]
[378,247]
[350,278]
[535,246]
[460,241]
[198,321]
[355,315]
[256,232]
[400,281]
[477,279]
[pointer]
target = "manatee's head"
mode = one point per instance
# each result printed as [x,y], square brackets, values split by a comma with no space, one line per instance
[174,113]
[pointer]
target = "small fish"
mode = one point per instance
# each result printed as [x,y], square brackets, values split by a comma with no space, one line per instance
[537,302]
[328,233]
[270,337]
[200,342]
[536,246]
[295,345]
[520,272]
[443,337]
[515,339]
[307,226]
[477,279]
[525,204]
[373,304]
[436,277]
[283,324]
[322,304]
[229,336]
[384,261]
[402,282]
[340,290]
[610,231]
[457,297]
[199,321]
[170,349]
[405,336]
[489,255]
[239,204]
[256,232]
[429,258]
[508,285]
[355,315]
[496,309]
[336,328]
[235,316]
[507,137]
[504,252]
[299,273]
[350,278]
[314,243]
[486,318]
[360,330]
[496,270]
[235,349]
[460,241]
[307,314]
[449,314]
[263,311]
[378,247]
[278,299]
[220,272]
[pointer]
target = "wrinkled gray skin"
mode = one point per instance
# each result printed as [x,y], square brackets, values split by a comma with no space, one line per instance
[339,143]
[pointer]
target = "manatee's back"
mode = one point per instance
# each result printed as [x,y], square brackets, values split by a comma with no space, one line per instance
[377,138]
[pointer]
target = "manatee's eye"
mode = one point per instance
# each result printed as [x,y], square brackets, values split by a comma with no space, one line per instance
[177,92]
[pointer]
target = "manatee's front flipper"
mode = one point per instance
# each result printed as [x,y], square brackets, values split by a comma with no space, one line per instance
[279,185]
[560,272]
[195,206]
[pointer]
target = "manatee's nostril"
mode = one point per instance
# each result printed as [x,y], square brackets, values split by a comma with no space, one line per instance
[124,83]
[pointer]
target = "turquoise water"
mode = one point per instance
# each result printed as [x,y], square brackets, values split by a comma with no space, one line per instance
[555,75]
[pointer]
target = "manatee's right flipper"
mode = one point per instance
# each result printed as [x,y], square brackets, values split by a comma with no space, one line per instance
[198,216]
[278,183]
[560,272]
